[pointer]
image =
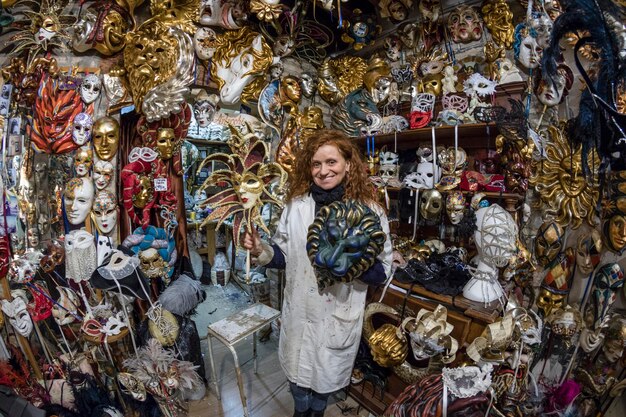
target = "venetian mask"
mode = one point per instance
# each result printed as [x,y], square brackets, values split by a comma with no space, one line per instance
[527,52]
[83,28]
[290,89]
[565,321]
[465,25]
[377,79]
[82,125]
[432,84]
[18,315]
[204,41]
[32,237]
[131,386]
[102,28]
[284,45]
[516,177]
[499,21]
[550,92]
[106,136]
[145,194]
[548,301]
[388,348]
[409,34]
[90,88]
[424,175]
[78,199]
[67,304]
[549,242]
[588,250]
[393,48]
[430,9]
[455,206]
[276,70]
[615,340]
[166,143]
[308,82]
[41,173]
[204,108]
[105,211]
[608,280]
[83,161]
[431,204]
[615,232]
[249,189]
[102,174]
[541,24]
[152,264]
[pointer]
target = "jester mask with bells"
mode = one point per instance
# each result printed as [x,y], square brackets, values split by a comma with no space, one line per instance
[430,332]
[343,242]
[608,280]
[241,59]
[166,136]
[249,177]
[159,64]
[52,125]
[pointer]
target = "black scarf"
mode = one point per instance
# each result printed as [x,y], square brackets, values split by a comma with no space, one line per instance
[325,197]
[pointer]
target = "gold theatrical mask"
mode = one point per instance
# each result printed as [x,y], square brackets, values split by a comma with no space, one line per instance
[181,13]
[549,301]
[388,345]
[297,132]
[248,188]
[327,87]
[106,137]
[432,84]
[615,232]
[561,184]
[166,143]
[548,242]
[83,161]
[101,28]
[290,92]
[150,58]
[499,21]
[377,79]
[146,193]
[340,76]
[152,264]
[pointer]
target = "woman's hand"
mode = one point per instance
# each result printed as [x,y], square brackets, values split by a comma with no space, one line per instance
[252,242]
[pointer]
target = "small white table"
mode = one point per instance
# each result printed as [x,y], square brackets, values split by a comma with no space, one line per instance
[234,329]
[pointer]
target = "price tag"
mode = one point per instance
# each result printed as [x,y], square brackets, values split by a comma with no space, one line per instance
[160,184]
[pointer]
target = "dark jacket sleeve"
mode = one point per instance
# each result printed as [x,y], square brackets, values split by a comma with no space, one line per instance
[278,261]
[375,275]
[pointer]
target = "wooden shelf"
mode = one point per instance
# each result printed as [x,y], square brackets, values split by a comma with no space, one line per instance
[471,136]
[488,194]
[203,142]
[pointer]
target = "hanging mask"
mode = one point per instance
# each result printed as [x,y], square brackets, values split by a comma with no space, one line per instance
[82,126]
[83,161]
[424,176]
[588,250]
[549,242]
[152,264]
[516,177]
[388,345]
[615,339]
[204,108]
[54,254]
[387,172]
[393,48]
[308,82]
[131,386]
[550,92]
[388,157]
[102,174]
[455,206]
[422,106]
[499,21]
[431,204]
[432,84]
[163,325]
[80,255]
[66,308]
[106,137]
[615,232]
[465,25]
[204,42]
[455,102]
[104,211]
[526,49]
[549,301]
[541,24]
[409,34]
[608,280]
[166,143]
[565,322]
[18,315]
[90,88]
[478,85]
[78,199]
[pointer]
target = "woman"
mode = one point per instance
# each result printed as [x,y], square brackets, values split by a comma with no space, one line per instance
[320,331]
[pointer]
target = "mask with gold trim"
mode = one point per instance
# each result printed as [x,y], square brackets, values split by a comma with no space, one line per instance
[388,345]
[464,24]
[106,137]
[549,242]
[615,232]
[83,161]
[547,301]
[499,21]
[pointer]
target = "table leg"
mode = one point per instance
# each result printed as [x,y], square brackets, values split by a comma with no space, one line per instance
[213,370]
[254,351]
[242,394]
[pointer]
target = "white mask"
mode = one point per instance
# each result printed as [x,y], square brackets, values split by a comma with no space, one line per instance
[80,255]
[105,211]
[203,112]
[102,173]
[81,131]
[552,92]
[90,88]
[204,41]
[78,198]
[103,248]
[529,53]
[308,82]
[18,316]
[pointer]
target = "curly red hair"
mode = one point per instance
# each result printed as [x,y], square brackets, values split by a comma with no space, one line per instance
[356,183]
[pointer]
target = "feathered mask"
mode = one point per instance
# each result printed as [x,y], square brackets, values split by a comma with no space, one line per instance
[248,178]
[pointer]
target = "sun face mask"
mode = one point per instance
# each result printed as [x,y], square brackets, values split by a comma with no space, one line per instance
[105,212]
[78,199]
[18,315]
[82,126]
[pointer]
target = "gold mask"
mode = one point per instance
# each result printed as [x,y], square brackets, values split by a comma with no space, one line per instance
[143,197]
[106,137]
[615,231]
[549,301]
[290,90]
[499,21]
[150,58]
[431,84]
[549,242]
[115,28]
[388,348]
[166,142]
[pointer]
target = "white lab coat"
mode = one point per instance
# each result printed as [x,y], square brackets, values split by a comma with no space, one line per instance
[320,333]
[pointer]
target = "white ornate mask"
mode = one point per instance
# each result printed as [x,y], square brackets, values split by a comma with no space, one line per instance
[90,88]
[423,102]
[542,25]
[18,316]
[78,198]
[550,93]
[102,173]
[204,43]
[529,52]
[105,211]
[81,130]
[496,235]
[80,255]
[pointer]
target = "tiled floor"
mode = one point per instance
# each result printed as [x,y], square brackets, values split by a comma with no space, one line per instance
[268,391]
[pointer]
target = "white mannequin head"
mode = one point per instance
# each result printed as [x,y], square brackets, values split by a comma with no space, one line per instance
[78,198]
[495,235]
